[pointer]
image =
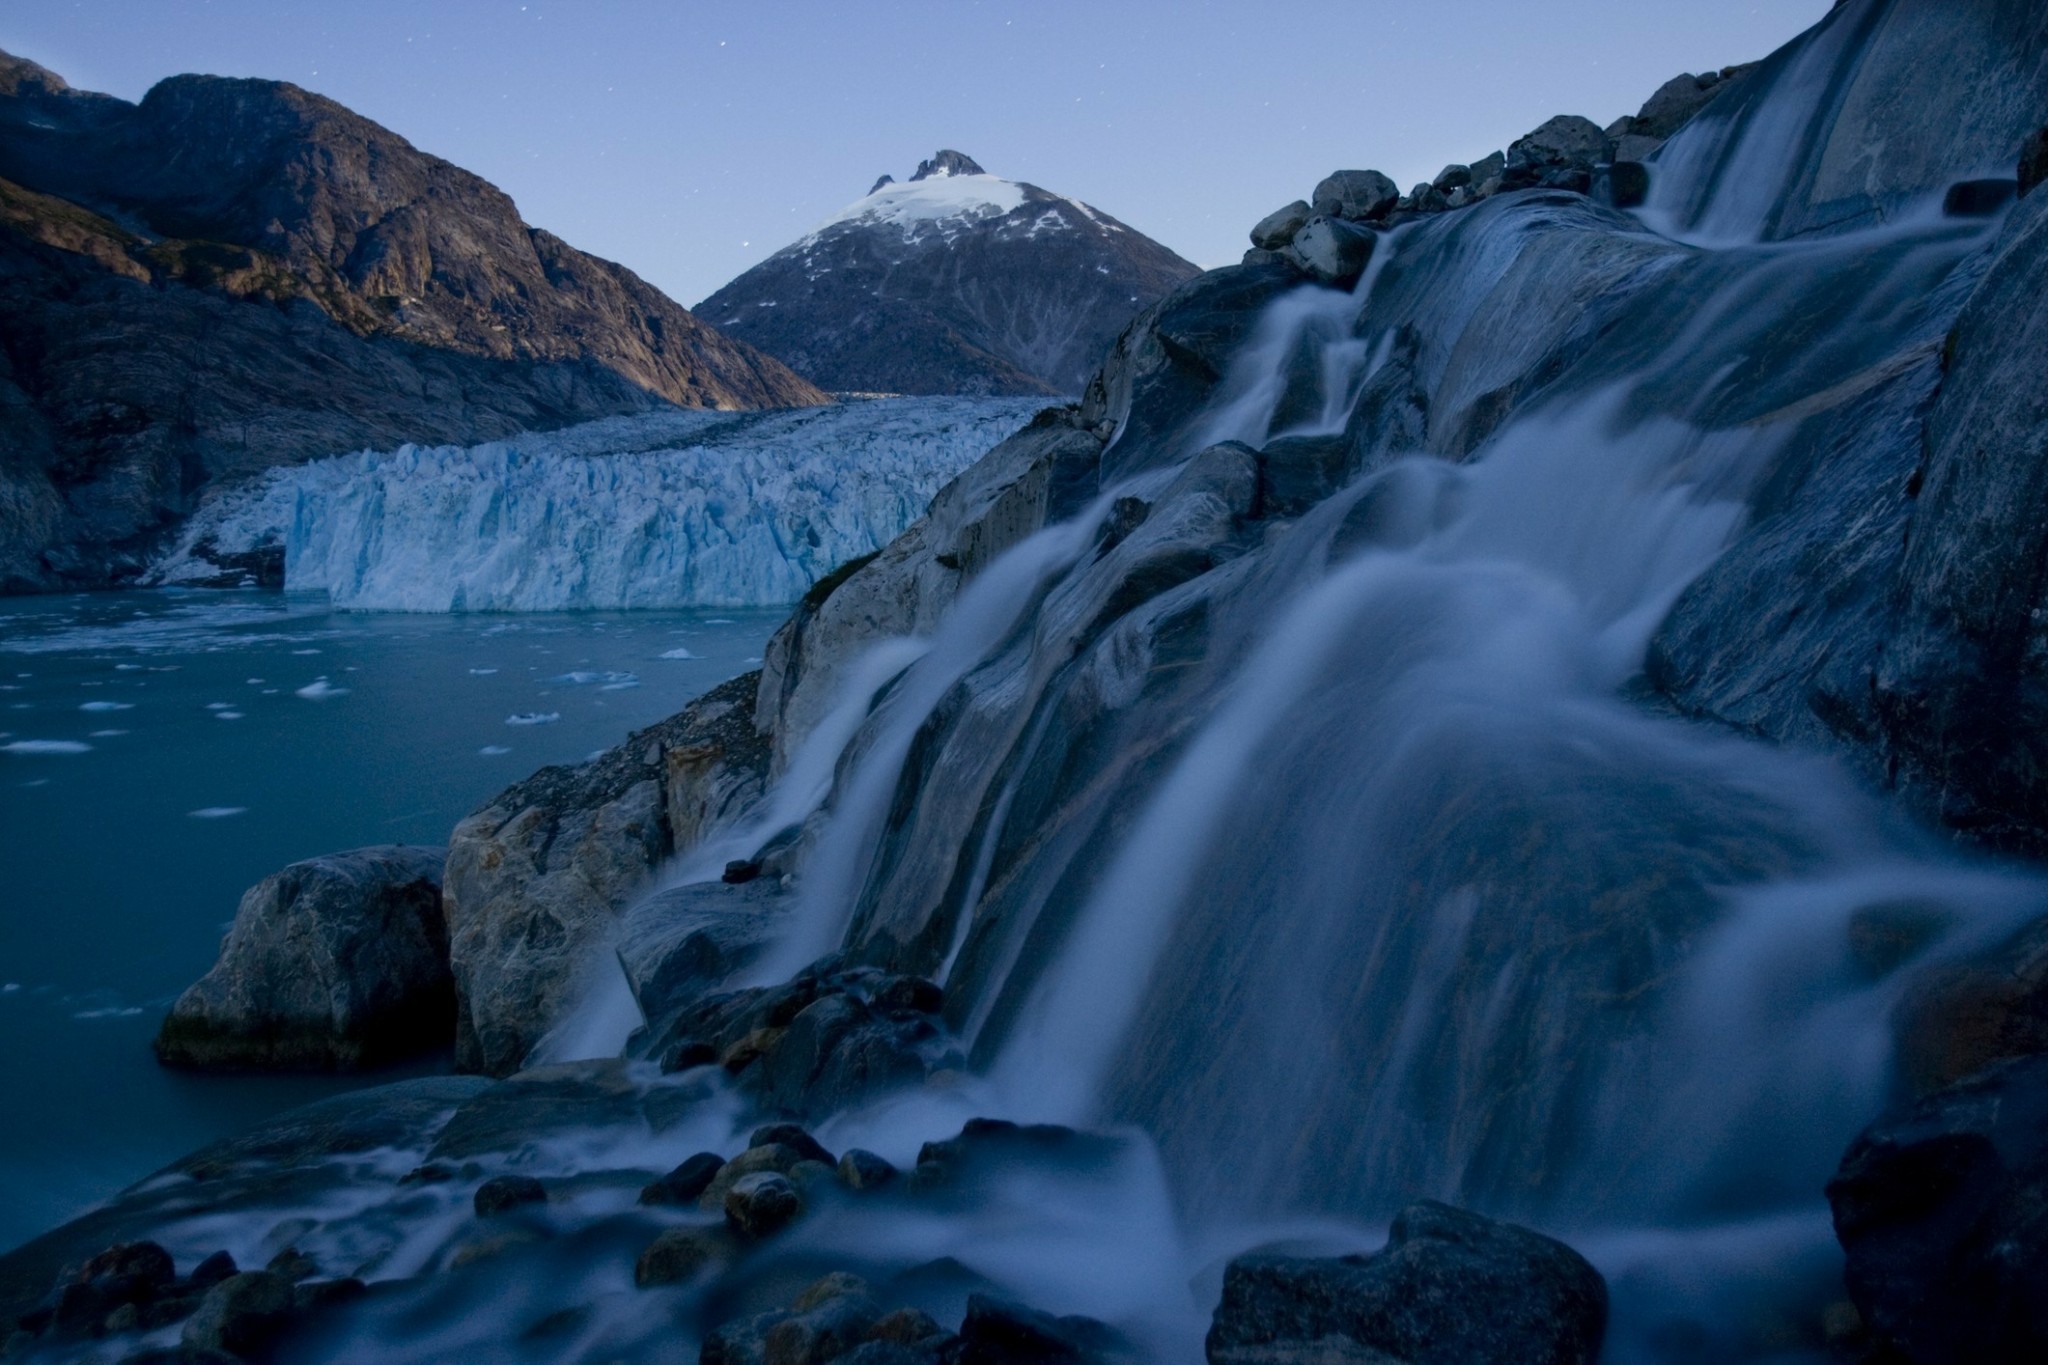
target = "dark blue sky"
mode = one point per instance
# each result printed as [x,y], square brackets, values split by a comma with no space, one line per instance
[689,139]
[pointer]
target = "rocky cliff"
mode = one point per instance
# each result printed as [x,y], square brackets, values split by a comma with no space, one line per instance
[957,281]
[234,274]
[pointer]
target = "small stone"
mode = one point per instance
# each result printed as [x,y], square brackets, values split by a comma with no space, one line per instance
[213,1270]
[794,1137]
[504,1193]
[139,1263]
[740,871]
[812,1175]
[838,1284]
[489,1248]
[863,1170]
[318,1294]
[429,1174]
[679,1254]
[1978,198]
[293,1264]
[688,1053]
[126,1318]
[761,1205]
[1277,228]
[774,1158]
[1452,177]
[686,1183]
[242,1315]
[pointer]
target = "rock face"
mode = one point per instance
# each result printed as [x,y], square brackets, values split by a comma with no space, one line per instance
[956,282]
[333,964]
[238,273]
[1942,1207]
[538,878]
[1451,1288]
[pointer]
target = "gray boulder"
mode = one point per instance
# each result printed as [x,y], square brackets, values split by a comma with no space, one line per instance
[1332,251]
[1451,1288]
[1358,195]
[1675,103]
[678,945]
[1942,1209]
[537,879]
[1559,155]
[333,964]
[1452,177]
[242,1315]
[1277,228]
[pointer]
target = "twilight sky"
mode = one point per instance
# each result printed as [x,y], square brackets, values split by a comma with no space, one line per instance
[691,138]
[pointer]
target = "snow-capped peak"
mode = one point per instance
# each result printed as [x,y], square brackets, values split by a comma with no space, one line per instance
[948,162]
[932,200]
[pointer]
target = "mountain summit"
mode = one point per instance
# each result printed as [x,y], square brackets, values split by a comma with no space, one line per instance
[956,281]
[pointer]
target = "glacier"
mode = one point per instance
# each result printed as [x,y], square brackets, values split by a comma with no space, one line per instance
[663,510]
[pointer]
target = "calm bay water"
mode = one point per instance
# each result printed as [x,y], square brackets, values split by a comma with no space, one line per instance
[160,752]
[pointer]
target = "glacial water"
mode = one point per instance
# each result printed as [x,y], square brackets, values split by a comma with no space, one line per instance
[162,751]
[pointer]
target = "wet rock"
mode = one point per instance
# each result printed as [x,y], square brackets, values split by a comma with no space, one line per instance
[335,963]
[983,1146]
[2033,162]
[1277,228]
[1942,1209]
[1978,198]
[1450,1288]
[896,1353]
[681,1254]
[243,1314]
[1674,105]
[740,871]
[773,1158]
[908,1327]
[1427,198]
[1332,251]
[1360,196]
[794,1137]
[1960,1018]
[1486,170]
[1623,185]
[683,943]
[912,993]
[504,1193]
[320,1295]
[999,1332]
[537,878]
[686,1183]
[1559,155]
[212,1270]
[293,1264]
[761,1205]
[863,1170]
[1452,177]
[1297,472]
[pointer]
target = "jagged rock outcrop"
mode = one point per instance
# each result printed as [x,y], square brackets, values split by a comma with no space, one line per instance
[333,964]
[238,273]
[955,282]
[537,878]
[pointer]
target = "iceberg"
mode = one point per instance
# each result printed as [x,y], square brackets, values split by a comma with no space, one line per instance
[662,510]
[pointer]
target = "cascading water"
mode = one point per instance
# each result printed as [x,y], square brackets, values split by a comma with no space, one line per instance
[1410,895]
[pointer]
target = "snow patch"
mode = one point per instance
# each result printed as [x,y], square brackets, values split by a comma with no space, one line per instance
[534,718]
[962,200]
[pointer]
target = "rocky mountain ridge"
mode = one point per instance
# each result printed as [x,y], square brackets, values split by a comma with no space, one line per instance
[238,273]
[957,281]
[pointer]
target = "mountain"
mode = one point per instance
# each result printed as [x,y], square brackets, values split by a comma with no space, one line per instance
[956,282]
[235,274]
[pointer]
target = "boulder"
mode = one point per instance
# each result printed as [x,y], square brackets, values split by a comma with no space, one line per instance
[679,1254]
[1358,195]
[1942,1209]
[1000,1332]
[1674,104]
[1559,155]
[1332,251]
[1959,1018]
[333,964]
[242,1315]
[761,1205]
[1452,177]
[1277,228]
[678,945]
[504,1193]
[1427,198]
[860,1169]
[1450,1288]
[1623,185]
[537,878]
[686,1183]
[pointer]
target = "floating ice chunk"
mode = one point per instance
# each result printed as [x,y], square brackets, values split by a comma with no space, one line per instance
[110,1012]
[481,672]
[107,734]
[257,682]
[620,686]
[305,651]
[678,653]
[719,621]
[107,706]
[10,988]
[220,706]
[46,746]
[493,750]
[534,718]
[227,715]
[127,668]
[320,690]
[575,678]
[217,812]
